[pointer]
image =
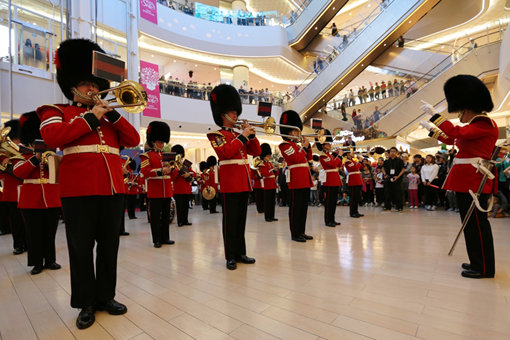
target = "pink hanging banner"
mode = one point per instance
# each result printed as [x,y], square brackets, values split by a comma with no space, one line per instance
[149,76]
[149,10]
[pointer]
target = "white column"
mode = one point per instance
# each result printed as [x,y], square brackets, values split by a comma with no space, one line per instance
[241,76]
[132,62]
[238,5]
[226,75]
[81,17]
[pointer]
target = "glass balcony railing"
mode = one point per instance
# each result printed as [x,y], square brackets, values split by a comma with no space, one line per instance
[238,17]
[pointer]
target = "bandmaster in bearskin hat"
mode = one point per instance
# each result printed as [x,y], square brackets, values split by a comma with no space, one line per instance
[178,149]
[158,131]
[212,161]
[14,125]
[29,128]
[467,92]
[266,150]
[224,98]
[203,166]
[290,118]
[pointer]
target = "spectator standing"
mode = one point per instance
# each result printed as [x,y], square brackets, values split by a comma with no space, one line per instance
[352,101]
[383,89]
[429,178]
[414,180]
[334,30]
[379,186]
[396,87]
[377,91]
[376,114]
[393,170]
[371,92]
[344,112]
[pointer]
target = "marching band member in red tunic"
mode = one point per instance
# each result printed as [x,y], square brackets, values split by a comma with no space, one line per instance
[212,163]
[469,96]
[354,182]
[90,176]
[298,174]
[10,192]
[159,182]
[331,165]
[203,179]
[258,190]
[233,149]
[182,188]
[268,173]
[39,200]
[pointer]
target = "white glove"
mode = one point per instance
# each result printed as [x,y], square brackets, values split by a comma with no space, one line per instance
[427,108]
[426,125]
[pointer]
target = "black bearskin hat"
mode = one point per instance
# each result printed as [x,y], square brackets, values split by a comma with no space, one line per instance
[290,118]
[318,145]
[14,125]
[224,98]
[203,166]
[29,128]
[74,64]
[266,150]
[212,161]
[315,158]
[158,131]
[178,149]
[132,165]
[467,92]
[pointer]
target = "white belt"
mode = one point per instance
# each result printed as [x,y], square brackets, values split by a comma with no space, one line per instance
[269,177]
[36,181]
[479,163]
[331,170]
[234,161]
[472,161]
[297,165]
[353,173]
[159,177]
[95,148]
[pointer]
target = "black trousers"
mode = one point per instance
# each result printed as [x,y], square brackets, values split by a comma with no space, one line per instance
[330,204]
[379,195]
[284,195]
[142,202]
[90,220]
[159,210]
[368,195]
[298,209]
[17,225]
[234,207]
[259,199]
[182,207]
[269,202]
[131,206]
[212,204]
[355,199]
[41,228]
[205,203]
[430,195]
[4,221]
[478,234]
[393,194]
[122,228]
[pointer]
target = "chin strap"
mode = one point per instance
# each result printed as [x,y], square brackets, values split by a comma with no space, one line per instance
[88,100]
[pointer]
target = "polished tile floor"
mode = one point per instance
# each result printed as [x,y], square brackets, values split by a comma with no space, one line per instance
[385,276]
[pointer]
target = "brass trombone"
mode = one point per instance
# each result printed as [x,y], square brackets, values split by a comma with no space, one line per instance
[130,95]
[7,147]
[299,138]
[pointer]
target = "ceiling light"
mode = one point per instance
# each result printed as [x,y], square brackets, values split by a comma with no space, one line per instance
[315,27]
[196,65]
[410,21]
[152,55]
[333,7]
[175,61]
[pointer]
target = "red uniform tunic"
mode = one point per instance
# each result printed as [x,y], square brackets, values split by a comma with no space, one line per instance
[268,175]
[181,185]
[158,185]
[330,165]
[353,172]
[475,141]
[232,150]
[140,180]
[257,183]
[90,147]
[10,184]
[298,173]
[36,192]
[212,179]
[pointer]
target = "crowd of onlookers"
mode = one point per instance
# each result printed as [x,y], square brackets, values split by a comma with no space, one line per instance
[393,180]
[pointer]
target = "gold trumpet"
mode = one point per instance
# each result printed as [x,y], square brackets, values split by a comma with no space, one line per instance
[130,96]
[8,148]
[269,125]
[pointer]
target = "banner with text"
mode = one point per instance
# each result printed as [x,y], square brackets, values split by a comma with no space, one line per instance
[149,10]
[149,76]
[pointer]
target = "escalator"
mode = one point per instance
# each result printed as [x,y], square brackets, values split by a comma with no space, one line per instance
[370,40]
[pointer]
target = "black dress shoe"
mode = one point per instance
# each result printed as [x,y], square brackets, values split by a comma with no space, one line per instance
[86,318]
[180,224]
[169,242]
[112,307]
[36,270]
[466,266]
[330,224]
[269,220]
[214,212]
[187,223]
[133,218]
[53,266]
[299,239]
[124,233]
[473,274]
[355,216]
[360,215]
[274,219]
[157,244]
[337,223]
[18,251]
[231,265]
[307,237]
[246,259]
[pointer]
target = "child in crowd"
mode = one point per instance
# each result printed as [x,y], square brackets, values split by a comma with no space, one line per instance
[379,186]
[313,191]
[414,180]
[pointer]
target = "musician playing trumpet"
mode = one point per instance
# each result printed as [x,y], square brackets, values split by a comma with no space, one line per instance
[232,149]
